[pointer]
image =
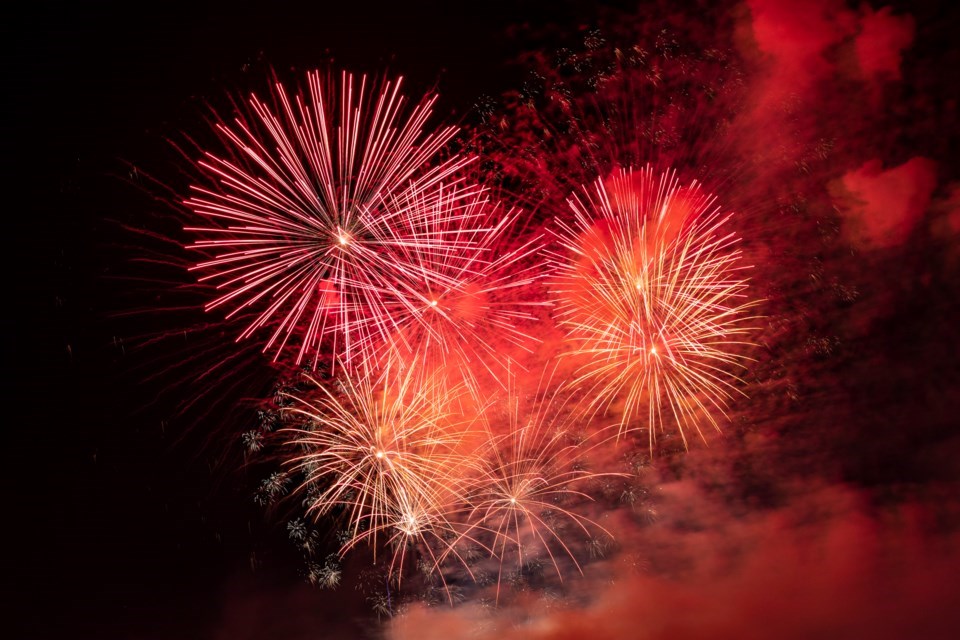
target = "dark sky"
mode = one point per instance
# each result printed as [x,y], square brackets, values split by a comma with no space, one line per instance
[114,529]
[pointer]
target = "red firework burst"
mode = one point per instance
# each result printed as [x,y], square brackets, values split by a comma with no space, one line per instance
[472,299]
[382,449]
[302,223]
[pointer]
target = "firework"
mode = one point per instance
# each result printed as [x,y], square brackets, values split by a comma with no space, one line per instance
[521,501]
[652,294]
[382,450]
[299,228]
[468,303]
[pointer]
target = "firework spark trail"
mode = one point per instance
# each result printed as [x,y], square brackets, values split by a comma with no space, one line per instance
[298,226]
[651,295]
[384,449]
[527,475]
[420,526]
[470,298]
[387,452]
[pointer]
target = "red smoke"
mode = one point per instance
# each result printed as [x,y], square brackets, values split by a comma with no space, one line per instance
[880,207]
[795,573]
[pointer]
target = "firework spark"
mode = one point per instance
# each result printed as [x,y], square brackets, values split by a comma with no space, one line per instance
[382,449]
[530,476]
[652,295]
[298,226]
[471,302]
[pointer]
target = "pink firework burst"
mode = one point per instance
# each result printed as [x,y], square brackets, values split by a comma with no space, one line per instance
[302,227]
[652,294]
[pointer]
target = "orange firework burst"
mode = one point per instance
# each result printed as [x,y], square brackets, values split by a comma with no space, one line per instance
[652,294]
[297,221]
[385,451]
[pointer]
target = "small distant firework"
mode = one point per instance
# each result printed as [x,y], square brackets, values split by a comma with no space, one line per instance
[299,226]
[651,291]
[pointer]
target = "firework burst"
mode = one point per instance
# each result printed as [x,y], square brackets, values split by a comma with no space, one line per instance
[651,291]
[300,227]
[521,501]
[470,303]
[383,451]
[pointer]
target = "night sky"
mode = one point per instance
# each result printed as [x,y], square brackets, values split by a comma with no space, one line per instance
[828,508]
